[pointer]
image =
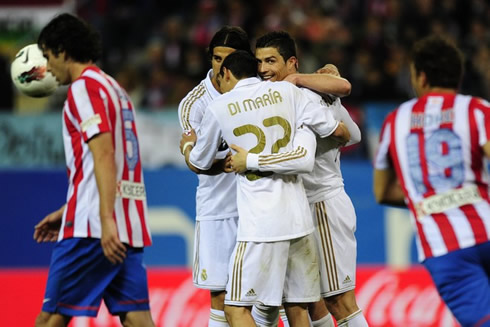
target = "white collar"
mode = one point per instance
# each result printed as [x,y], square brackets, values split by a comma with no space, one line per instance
[209,85]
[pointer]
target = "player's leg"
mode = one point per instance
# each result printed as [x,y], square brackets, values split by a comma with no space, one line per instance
[78,275]
[136,319]
[319,314]
[217,316]
[342,305]
[257,272]
[284,317]
[239,316]
[297,314]
[127,294]
[47,319]
[335,222]
[462,280]
[302,284]
[265,316]
[214,243]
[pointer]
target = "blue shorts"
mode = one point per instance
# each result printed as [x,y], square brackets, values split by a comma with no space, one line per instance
[80,276]
[462,278]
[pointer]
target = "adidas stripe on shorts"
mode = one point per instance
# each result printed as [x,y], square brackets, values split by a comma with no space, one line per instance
[274,272]
[335,224]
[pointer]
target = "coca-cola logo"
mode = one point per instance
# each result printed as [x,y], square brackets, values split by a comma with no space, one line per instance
[388,298]
[391,298]
[181,305]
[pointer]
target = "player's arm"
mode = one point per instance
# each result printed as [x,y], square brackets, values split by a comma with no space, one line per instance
[341,134]
[47,230]
[387,189]
[486,149]
[354,131]
[300,160]
[105,175]
[318,118]
[326,80]
[187,143]
[200,155]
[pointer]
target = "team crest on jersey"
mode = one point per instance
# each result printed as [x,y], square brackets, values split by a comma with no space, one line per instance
[204,274]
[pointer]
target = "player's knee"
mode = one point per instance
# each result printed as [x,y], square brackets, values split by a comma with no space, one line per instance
[344,303]
[42,319]
[136,319]
[234,311]
[46,319]
[218,300]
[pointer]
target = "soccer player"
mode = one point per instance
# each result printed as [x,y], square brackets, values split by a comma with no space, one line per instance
[332,210]
[431,158]
[216,209]
[102,228]
[275,256]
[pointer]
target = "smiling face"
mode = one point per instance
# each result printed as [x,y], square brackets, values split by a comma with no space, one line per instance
[272,65]
[57,66]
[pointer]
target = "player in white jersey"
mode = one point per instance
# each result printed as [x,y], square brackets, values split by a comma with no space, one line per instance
[334,233]
[103,227]
[431,157]
[216,210]
[274,219]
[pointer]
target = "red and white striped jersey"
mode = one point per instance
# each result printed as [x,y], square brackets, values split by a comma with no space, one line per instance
[435,146]
[97,104]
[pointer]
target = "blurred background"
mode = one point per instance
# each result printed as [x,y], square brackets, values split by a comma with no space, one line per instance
[156,50]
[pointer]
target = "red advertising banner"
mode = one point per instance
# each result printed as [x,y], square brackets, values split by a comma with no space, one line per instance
[388,298]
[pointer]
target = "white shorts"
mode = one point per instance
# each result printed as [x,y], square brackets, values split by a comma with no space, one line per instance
[273,273]
[335,224]
[214,241]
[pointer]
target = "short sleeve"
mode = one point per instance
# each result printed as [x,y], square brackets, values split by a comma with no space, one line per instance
[381,159]
[89,104]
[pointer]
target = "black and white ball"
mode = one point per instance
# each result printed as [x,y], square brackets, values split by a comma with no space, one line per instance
[29,73]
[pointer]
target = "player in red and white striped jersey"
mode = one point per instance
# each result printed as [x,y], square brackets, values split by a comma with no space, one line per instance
[431,156]
[103,227]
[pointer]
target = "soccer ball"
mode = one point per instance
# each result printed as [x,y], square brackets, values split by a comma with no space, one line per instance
[29,73]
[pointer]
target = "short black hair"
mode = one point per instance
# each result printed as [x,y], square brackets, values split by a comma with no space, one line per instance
[231,37]
[241,63]
[441,61]
[80,41]
[281,40]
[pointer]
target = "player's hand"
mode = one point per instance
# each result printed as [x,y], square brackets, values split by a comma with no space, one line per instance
[328,69]
[292,78]
[188,137]
[239,159]
[227,166]
[48,229]
[113,248]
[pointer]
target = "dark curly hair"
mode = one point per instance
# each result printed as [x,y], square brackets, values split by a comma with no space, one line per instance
[80,41]
[440,60]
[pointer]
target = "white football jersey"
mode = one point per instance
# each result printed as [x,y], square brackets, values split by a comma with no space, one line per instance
[263,117]
[326,178]
[215,195]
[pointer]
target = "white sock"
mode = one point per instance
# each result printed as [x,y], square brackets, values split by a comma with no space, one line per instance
[265,316]
[354,320]
[284,318]
[326,321]
[217,319]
